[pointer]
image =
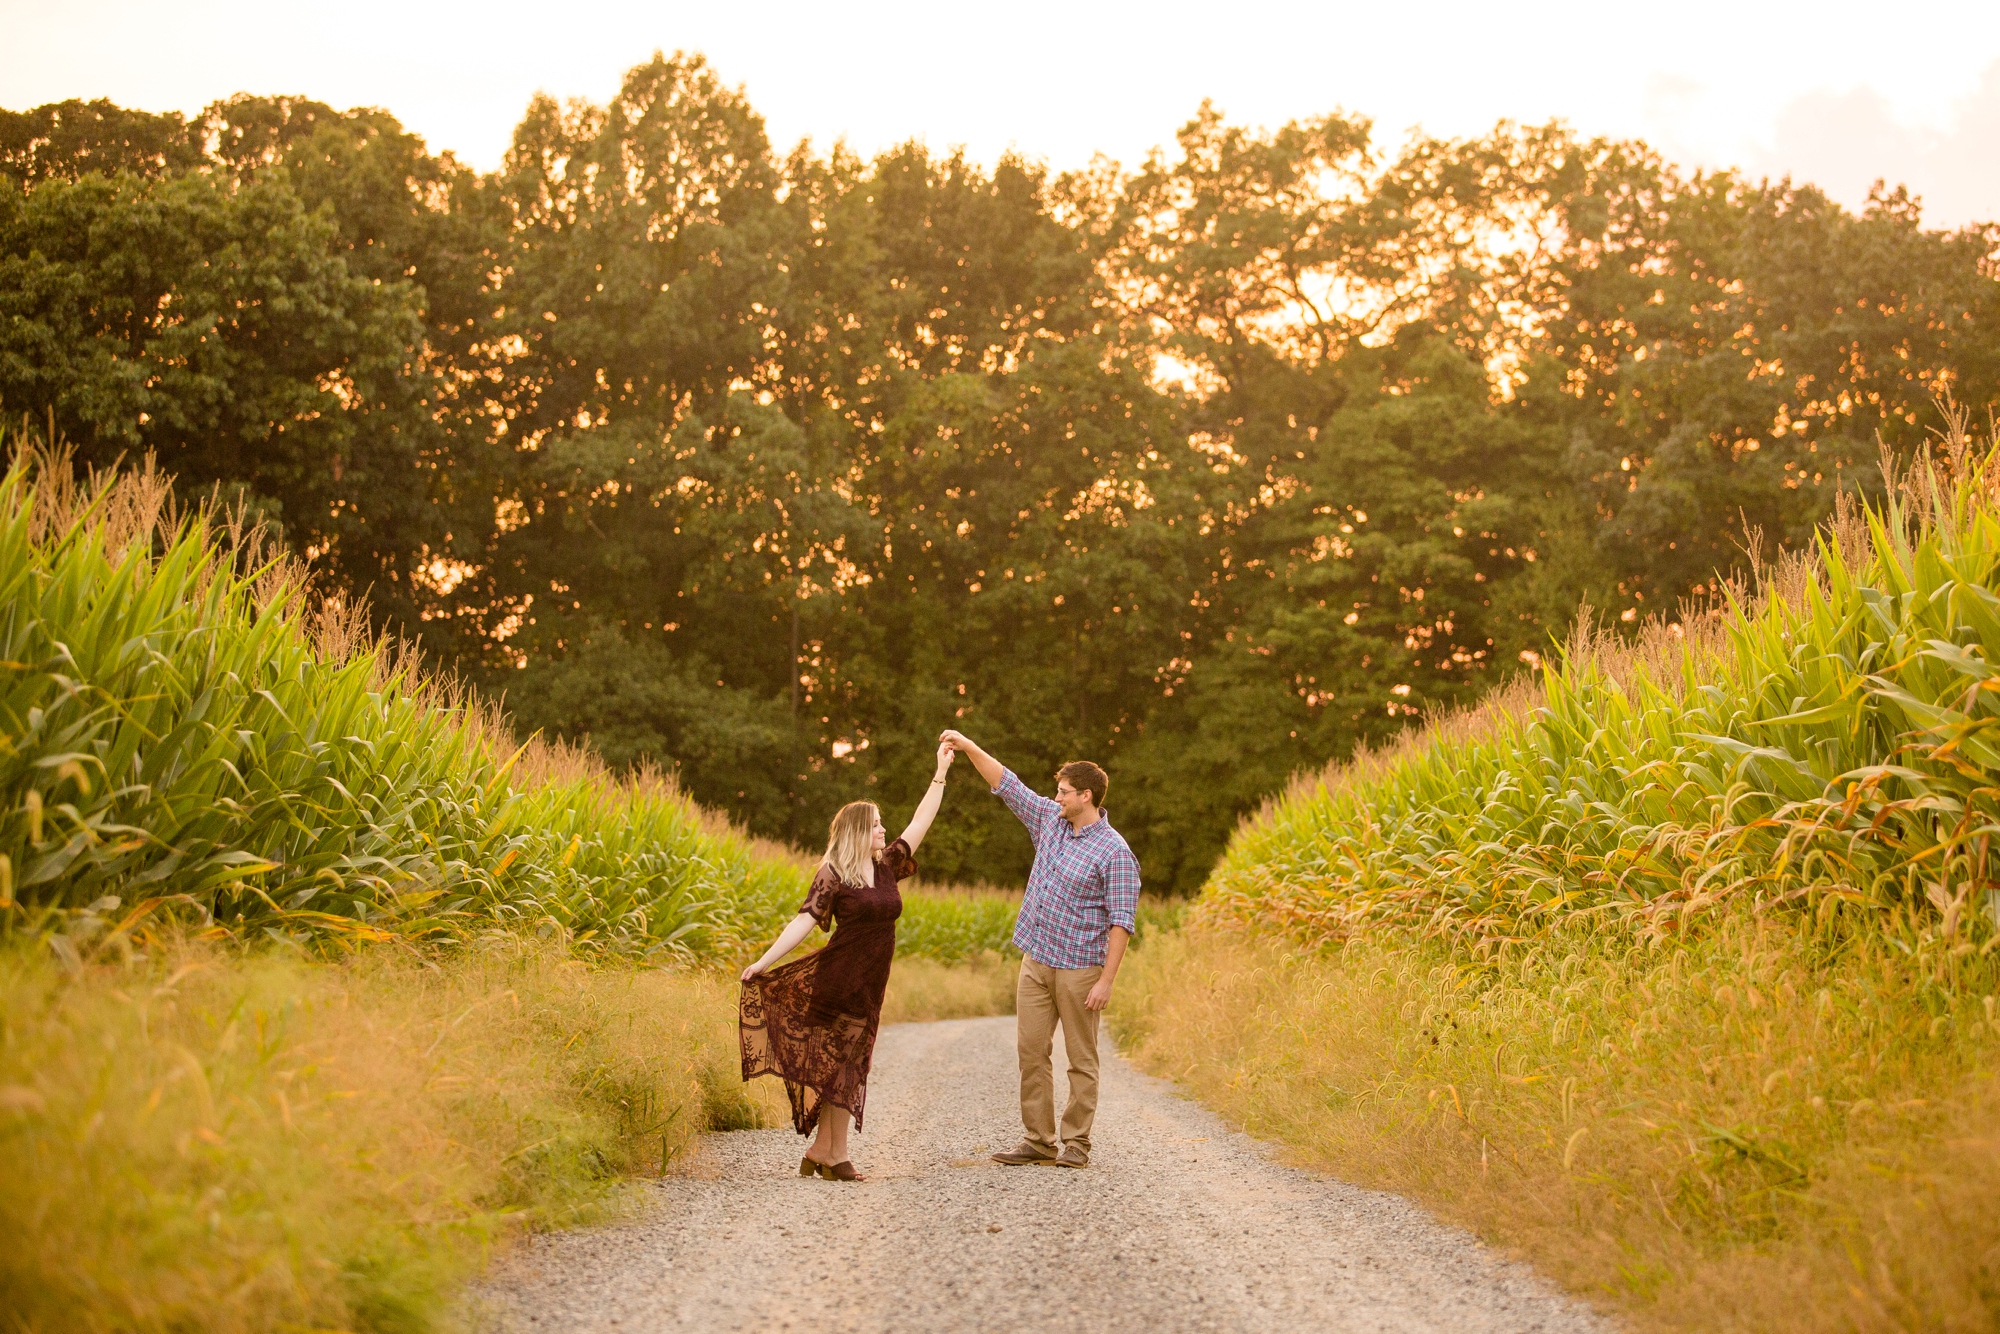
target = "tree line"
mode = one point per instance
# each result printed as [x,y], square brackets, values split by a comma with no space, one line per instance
[766,465]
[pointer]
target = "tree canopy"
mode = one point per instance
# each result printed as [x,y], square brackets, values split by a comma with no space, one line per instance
[765,466]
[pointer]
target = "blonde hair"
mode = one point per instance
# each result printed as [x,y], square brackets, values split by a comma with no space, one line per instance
[850,844]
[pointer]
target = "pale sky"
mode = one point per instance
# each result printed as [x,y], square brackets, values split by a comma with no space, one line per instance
[1833,92]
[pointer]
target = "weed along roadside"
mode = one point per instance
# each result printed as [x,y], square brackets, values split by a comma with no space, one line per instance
[1677,974]
[205,1136]
[229,1141]
[1634,1123]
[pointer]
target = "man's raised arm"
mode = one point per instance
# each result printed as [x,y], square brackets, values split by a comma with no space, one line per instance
[989,768]
[1030,807]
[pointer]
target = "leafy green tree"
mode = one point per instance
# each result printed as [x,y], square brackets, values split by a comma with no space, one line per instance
[764,469]
[1730,356]
[404,214]
[65,140]
[367,395]
[427,224]
[217,328]
[645,500]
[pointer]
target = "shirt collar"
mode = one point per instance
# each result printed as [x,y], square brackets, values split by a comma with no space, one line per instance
[1103,818]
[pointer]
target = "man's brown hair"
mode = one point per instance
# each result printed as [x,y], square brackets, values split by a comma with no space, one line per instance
[1084,776]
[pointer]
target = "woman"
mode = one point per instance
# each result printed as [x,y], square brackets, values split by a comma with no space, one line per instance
[813,1022]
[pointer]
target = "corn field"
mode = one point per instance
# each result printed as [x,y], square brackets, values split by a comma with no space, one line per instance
[186,729]
[1824,739]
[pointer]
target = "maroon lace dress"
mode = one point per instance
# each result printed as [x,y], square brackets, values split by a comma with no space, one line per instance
[812,1022]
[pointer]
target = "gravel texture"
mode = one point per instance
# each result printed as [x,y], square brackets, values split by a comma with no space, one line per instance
[1178,1224]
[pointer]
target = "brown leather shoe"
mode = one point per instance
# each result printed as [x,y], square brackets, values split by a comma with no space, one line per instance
[1024,1154]
[1071,1156]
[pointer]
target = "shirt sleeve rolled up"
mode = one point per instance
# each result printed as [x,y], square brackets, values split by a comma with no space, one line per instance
[1121,889]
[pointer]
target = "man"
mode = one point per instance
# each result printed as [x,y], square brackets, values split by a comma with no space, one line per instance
[1076,919]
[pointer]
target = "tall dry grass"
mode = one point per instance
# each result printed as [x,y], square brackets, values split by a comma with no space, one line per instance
[923,989]
[207,1140]
[1728,1133]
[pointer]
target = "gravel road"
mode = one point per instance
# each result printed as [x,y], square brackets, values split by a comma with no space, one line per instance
[1178,1224]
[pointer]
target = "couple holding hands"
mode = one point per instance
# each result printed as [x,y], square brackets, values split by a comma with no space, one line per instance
[812,1022]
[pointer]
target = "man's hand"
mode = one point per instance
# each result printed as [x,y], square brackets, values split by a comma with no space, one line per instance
[1114,955]
[989,768]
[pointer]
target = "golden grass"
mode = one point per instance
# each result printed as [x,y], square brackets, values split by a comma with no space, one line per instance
[1731,1134]
[208,1141]
[223,1141]
[922,989]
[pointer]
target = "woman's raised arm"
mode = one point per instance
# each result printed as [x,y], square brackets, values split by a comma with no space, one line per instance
[927,809]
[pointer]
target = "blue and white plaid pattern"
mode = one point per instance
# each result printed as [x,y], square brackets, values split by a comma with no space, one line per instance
[1082,884]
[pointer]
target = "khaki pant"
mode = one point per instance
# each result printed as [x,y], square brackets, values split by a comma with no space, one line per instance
[1043,997]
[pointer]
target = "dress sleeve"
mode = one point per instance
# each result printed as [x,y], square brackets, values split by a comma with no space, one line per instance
[820,898]
[899,861]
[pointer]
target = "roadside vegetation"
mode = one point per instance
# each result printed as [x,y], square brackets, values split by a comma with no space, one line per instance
[205,1138]
[315,985]
[1728,1133]
[1089,464]
[241,1137]
[1676,971]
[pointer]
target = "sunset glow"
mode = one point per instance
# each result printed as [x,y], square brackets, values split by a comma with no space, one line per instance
[1772,88]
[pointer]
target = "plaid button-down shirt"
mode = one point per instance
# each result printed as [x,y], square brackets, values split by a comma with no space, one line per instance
[1082,884]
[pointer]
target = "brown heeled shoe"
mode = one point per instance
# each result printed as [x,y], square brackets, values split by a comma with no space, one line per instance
[810,1166]
[843,1171]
